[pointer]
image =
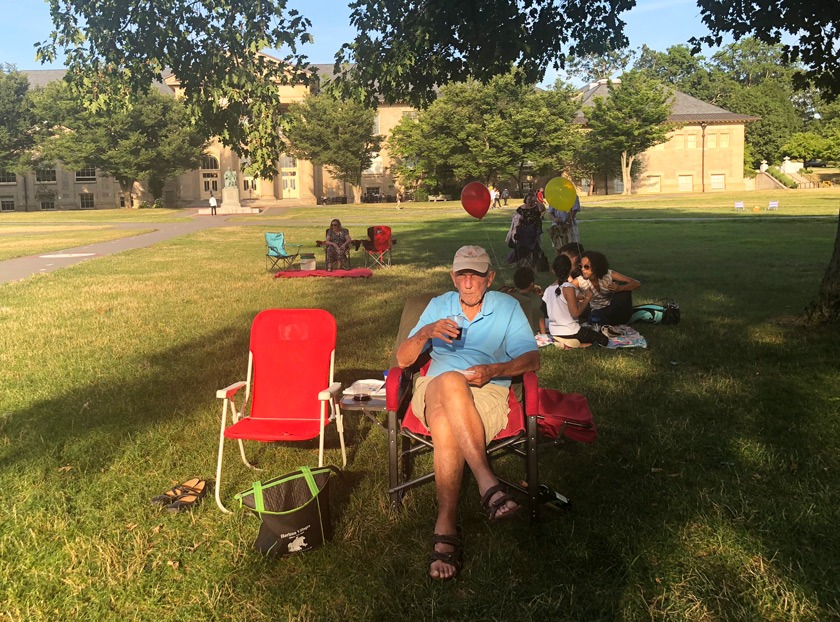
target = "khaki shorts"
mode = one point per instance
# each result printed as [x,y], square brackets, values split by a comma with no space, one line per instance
[491,401]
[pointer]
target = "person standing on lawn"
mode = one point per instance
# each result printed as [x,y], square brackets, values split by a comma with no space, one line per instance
[463,399]
[213,204]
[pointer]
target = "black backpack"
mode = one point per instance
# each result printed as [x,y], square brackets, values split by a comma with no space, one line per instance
[667,313]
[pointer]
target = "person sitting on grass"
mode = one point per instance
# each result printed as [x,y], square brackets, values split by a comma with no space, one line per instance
[611,298]
[463,398]
[573,251]
[565,307]
[528,295]
[337,246]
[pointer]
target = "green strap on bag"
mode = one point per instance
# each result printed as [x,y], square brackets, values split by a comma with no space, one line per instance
[259,502]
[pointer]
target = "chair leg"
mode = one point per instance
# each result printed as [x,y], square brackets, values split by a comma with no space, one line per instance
[218,485]
[321,436]
[532,466]
[339,425]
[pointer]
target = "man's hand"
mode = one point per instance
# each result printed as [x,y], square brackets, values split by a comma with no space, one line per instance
[445,330]
[479,375]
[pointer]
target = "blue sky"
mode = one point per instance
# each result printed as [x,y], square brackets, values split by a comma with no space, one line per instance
[656,23]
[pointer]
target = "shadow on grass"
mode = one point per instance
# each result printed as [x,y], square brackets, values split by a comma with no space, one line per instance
[711,488]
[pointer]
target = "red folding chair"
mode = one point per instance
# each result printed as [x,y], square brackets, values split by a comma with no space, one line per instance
[289,388]
[378,246]
[538,418]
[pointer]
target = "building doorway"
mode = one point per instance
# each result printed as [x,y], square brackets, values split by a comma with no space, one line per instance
[209,176]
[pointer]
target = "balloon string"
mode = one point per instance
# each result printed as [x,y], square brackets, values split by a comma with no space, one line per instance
[492,248]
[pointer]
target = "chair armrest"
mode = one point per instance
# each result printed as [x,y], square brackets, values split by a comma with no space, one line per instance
[532,397]
[356,244]
[330,391]
[319,243]
[229,392]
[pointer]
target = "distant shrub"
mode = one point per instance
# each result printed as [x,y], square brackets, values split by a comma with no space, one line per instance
[421,194]
[158,204]
[781,177]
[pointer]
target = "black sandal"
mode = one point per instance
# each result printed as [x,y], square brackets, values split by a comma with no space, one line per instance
[176,491]
[454,558]
[190,497]
[493,508]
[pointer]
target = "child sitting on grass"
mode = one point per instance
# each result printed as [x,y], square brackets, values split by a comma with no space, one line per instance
[564,308]
[528,295]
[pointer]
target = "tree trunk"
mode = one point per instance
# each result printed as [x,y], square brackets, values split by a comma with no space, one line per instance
[127,188]
[826,306]
[626,180]
[357,193]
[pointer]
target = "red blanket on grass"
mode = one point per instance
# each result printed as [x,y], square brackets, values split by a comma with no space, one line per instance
[296,274]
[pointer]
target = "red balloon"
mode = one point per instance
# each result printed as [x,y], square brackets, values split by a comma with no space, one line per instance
[475,197]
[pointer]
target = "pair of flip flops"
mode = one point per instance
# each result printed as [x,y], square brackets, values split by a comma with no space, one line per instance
[183,496]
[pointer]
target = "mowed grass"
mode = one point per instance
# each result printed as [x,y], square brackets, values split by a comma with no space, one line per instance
[25,240]
[711,493]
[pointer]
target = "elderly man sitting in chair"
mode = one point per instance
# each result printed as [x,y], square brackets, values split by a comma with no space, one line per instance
[478,340]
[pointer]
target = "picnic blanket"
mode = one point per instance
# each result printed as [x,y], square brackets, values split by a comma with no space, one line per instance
[296,274]
[621,336]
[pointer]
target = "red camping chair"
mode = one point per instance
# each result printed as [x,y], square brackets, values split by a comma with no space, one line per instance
[378,246]
[538,418]
[289,383]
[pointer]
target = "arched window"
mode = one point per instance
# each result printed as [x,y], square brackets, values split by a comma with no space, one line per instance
[209,162]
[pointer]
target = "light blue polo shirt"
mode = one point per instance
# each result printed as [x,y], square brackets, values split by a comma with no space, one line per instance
[498,334]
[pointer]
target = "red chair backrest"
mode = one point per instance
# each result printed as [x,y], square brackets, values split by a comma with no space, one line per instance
[292,354]
[380,236]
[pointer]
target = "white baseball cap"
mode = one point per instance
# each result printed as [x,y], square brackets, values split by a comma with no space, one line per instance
[471,258]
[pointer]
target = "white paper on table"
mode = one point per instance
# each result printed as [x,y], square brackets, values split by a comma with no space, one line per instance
[374,388]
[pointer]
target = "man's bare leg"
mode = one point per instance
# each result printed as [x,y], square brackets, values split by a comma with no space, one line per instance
[458,436]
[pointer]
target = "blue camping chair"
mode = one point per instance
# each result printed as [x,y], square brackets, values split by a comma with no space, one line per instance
[278,254]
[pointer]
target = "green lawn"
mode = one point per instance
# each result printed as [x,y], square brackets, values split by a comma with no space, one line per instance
[711,493]
[22,240]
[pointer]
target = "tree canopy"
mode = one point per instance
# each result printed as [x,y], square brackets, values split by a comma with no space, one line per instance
[333,133]
[15,118]
[497,131]
[404,53]
[116,49]
[151,141]
[631,120]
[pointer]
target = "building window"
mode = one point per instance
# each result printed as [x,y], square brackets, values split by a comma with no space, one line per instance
[376,124]
[654,183]
[711,141]
[690,141]
[409,114]
[86,174]
[724,141]
[86,200]
[7,177]
[211,182]
[287,161]
[678,141]
[47,205]
[7,204]
[375,166]
[718,182]
[686,183]
[209,162]
[45,175]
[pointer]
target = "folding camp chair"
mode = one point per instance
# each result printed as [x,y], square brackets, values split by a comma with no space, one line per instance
[289,386]
[277,253]
[343,265]
[774,205]
[408,437]
[739,206]
[378,246]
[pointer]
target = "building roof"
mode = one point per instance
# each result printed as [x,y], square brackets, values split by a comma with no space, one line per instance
[684,108]
[42,77]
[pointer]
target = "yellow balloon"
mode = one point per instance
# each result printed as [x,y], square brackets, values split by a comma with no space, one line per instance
[560,194]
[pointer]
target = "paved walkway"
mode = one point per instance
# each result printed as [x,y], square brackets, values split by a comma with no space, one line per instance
[23,267]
